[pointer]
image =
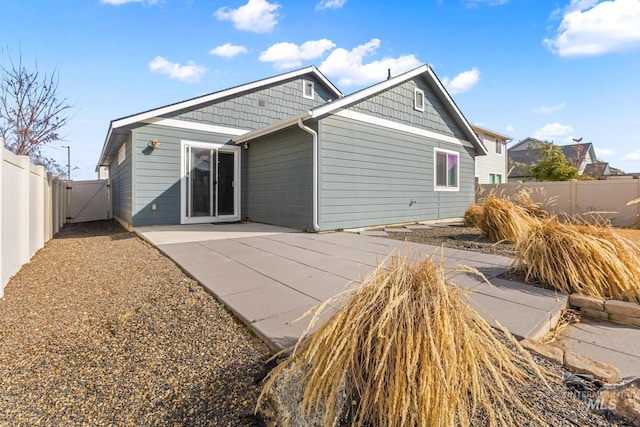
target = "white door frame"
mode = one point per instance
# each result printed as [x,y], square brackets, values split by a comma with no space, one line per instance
[184,218]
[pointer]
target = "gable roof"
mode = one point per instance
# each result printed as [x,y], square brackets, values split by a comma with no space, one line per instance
[494,133]
[597,170]
[192,102]
[337,105]
[526,142]
[576,154]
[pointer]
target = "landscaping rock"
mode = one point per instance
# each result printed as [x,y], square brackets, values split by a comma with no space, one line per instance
[586,302]
[284,402]
[585,365]
[622,307]
[623,399]
[594,314]
[549,352]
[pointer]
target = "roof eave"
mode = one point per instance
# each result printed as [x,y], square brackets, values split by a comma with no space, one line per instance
[272,128]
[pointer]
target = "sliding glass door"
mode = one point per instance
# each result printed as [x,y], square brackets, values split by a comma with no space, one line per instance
[210,176]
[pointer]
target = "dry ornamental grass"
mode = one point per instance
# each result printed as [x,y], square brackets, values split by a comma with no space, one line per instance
[410,352]
[502,220]
[586,259]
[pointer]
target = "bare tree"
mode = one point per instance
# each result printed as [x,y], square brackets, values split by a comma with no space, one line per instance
[31,112]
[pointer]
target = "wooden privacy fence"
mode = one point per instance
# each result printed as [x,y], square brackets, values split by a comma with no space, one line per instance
[33,208]
[606,199]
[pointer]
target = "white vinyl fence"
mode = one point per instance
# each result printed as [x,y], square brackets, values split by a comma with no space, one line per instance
[605,199]
[33,208]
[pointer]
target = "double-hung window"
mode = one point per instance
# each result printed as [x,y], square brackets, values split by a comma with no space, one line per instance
[446,170]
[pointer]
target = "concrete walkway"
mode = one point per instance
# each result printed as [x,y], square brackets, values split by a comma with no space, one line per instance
[269,276]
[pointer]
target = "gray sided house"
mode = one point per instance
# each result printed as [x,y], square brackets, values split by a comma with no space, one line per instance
[291,150]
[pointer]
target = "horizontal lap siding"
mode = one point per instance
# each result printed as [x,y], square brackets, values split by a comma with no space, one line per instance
[157,172]
[121,185]
[369,175]
[279,179]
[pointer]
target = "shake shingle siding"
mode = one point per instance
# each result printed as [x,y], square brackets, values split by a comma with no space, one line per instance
[370,175]
[279,172]
[258,108]
[397,104]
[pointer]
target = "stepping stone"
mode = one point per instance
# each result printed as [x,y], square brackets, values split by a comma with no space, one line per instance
[418,227]
[374,233]
[397,230]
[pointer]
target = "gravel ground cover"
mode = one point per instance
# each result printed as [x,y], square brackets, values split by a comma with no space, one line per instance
[101,329]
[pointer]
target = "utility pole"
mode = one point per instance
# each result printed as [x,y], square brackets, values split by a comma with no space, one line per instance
[68,147]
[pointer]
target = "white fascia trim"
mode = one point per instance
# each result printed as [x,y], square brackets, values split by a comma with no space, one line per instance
[401,127]
[486,131]
[182,124]
[272,128]
[104,147]
[478,144]
[371,90]
[228,92]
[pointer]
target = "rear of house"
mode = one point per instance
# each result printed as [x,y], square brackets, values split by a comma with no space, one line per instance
[292,151]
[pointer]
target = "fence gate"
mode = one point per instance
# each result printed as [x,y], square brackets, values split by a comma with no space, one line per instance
[89,200]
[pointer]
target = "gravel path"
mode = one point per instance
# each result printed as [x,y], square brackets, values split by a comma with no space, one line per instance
[101,329]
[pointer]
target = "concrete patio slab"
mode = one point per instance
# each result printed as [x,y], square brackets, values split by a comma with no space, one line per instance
[162,234]
[617,345]
[267,275]
[263,303]
[284,330]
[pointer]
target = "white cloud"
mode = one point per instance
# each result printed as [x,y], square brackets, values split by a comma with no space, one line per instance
[463,82]
[546,109]
[477,3]
[119,2]
[228,50]
[288,55]
[330,4]
[190,73]
[258,16]
[348,66]
[510,128]
[552,131]
[634,155]
[589,27]
[604,152]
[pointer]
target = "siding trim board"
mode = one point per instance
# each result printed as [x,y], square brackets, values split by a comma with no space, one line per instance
[361,117]
[204,127]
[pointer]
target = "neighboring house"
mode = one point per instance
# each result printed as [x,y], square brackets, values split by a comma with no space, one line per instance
[492,168]
[291,150]
[525,153]
[597,170]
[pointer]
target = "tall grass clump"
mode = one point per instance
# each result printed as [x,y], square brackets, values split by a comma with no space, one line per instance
[410,352]
[473,215]
[502,220]
[524,199]
[586,259]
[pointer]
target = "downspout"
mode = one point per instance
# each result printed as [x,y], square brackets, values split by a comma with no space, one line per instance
[314,136]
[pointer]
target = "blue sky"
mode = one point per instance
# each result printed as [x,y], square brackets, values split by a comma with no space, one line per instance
[552,70]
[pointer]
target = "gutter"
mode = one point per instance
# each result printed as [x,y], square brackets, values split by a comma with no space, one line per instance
[314,136]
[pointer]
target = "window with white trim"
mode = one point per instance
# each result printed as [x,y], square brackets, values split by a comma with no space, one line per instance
[122,153]
[495,178]
[499,146]
[418,99]
[446,169]
[307,89]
